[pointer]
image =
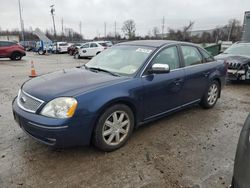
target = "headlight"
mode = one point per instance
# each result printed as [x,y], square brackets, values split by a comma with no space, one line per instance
[62,107]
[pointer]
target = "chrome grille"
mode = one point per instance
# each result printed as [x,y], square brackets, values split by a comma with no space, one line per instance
[28,102]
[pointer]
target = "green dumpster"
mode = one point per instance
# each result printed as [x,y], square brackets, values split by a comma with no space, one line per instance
[214,49]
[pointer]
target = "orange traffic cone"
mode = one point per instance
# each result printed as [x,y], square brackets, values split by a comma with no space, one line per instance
[33,71]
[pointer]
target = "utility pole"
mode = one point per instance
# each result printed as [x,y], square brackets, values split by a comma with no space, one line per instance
[62,27]
[52,10]
[21,20]
[105,26]
[163,25]
[80,27]
[115,29]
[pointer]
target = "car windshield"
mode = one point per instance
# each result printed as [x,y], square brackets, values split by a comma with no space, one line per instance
[239,49]
[123,60]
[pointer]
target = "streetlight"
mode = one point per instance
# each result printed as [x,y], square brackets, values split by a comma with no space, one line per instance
[52,10]
[21,20]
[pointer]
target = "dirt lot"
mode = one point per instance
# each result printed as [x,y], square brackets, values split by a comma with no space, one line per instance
[192,148]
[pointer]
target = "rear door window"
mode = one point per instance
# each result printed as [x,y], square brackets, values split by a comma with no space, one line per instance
[191,55]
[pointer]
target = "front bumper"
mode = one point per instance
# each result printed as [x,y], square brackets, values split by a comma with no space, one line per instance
[233,74]
[54,132]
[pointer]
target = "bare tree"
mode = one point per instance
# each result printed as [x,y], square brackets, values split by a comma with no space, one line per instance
[183,35]
[129,29]
[187,31]
[235,30]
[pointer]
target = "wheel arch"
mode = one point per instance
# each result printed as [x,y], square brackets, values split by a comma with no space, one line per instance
[16,52]
[123,101]
[108,104]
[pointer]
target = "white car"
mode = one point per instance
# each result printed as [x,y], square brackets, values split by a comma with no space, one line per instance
[60,47]
[90,49]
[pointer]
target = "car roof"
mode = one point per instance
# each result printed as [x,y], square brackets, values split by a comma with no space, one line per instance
[154,43]
[240,42]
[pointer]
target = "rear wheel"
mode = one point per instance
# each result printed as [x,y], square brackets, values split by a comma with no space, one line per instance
[16,56]
[41,52]
[211,96]
[114,128]
[77,56]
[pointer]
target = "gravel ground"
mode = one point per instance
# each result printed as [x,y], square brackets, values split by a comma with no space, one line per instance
[191,148]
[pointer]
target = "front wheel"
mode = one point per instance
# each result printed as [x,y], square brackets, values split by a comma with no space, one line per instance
[114,128]
[16,56]
[211,96]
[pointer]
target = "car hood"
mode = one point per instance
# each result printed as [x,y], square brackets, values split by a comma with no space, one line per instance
[235,59]
[70,82]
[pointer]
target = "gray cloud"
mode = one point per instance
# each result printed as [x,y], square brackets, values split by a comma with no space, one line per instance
[146,13]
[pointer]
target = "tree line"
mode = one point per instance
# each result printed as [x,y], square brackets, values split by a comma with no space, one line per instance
[231,31]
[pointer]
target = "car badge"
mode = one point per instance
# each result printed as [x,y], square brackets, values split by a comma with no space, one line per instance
[23,99]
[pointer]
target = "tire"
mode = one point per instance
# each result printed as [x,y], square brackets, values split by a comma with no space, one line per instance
[41,52]
[109,136]
[77,56]
[211,96]
[98,53]
[16,56]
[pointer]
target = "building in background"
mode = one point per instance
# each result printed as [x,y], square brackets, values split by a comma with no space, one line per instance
[246,27]
[13,38]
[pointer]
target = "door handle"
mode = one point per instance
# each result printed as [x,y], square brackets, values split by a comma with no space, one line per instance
[206,74]
[177,82]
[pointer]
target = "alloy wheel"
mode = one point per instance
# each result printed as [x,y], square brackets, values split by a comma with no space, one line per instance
[116,128]
[212,94]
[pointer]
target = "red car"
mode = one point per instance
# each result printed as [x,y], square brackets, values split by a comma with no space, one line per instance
[11,50]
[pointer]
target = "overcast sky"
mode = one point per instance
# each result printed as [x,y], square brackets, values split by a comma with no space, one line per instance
[147,14]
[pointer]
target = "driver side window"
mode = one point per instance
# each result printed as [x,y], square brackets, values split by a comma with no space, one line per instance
[168,56]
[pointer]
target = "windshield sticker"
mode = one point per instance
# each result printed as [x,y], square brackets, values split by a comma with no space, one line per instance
[144,50]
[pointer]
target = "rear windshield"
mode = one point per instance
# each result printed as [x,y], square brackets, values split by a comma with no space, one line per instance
[103,44]
[63,44]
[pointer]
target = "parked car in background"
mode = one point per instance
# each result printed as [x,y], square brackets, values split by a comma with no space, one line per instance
[72,49]
[90,49]
[28,45]
[238,59]
[11,50]
[123,87]
[242,159]
[60,47]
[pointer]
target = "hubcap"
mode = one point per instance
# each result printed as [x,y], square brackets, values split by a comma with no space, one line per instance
[116,128]
[212,94]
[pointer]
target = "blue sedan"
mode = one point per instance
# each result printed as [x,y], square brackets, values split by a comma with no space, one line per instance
[120,89]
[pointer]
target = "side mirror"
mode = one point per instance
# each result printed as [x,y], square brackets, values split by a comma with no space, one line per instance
[160,68]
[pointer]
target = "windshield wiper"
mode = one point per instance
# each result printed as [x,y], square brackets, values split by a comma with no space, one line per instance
[101,70]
